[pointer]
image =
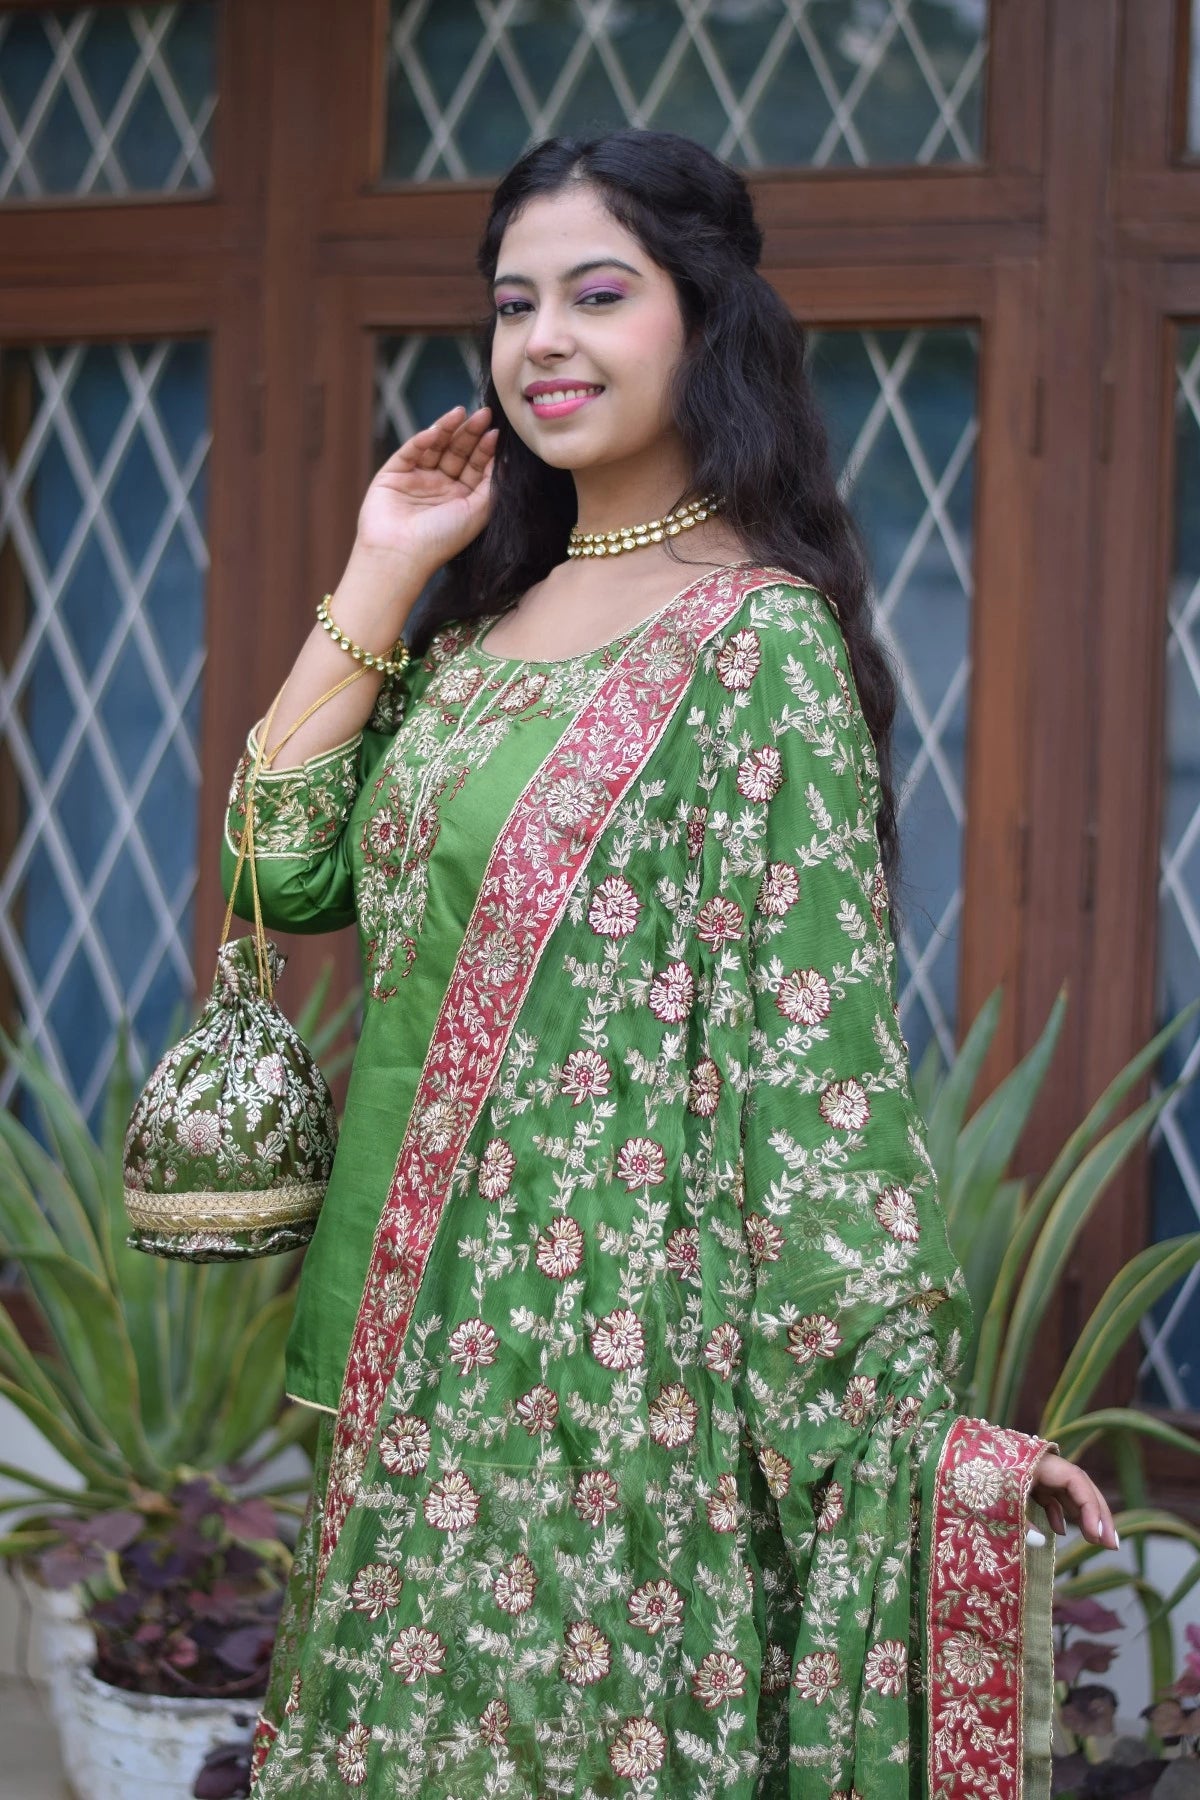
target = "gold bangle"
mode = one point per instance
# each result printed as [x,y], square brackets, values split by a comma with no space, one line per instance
[393,663]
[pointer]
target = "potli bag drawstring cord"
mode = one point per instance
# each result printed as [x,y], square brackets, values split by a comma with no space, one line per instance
[246,846]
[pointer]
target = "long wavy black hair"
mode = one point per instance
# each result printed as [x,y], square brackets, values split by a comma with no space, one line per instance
[741,402]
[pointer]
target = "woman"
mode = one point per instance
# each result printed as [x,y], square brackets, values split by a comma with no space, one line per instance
[630,1305]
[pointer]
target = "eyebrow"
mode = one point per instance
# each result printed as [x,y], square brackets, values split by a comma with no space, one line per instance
[583,268]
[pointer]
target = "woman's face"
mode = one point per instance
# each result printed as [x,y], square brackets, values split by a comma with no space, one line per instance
[581,306]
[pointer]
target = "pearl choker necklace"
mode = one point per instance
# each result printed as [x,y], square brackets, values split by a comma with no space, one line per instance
[633,537]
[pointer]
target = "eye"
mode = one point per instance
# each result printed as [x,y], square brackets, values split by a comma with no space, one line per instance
[605,296]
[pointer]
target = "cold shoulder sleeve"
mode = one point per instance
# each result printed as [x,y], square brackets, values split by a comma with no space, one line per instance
[922,1627]
[302,852]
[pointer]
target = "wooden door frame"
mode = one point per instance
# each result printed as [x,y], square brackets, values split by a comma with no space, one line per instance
[298,257]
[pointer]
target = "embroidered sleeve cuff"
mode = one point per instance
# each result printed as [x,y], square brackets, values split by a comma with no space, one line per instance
[298,812]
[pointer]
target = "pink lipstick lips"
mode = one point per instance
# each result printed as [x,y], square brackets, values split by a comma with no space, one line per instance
[547,405]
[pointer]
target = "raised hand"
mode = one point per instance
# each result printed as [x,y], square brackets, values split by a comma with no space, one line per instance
[431,497]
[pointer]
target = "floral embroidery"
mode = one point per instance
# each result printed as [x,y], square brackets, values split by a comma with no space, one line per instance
[641,1163]
[588,1655]
[376,1588]
[618,1342]
[638,1750]
[817,1676]
[515,1585]
[352,1755]
[473,1346]
[656,1606]
[673,1416]
[452,1503]
[405,1445]
[813,1337]
[683,1253]
[596,1496]
[886,1668]
[560,1249]
[614,909]
[719,1678]
[672,994]
[416,1653]
[535,1324]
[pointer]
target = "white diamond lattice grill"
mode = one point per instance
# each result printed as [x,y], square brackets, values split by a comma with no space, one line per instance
[778,83]
[102,505]
[902,411]
[1170,1371]
[107,100]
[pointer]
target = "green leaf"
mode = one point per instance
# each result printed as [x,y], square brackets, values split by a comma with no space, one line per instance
[18,1362]
[993,1328]
[987,1143]
[86,1499]
[93,1464]
[1147,1521]
[945,1120]
[1114,1094]
[38,1207]
[221,1304]
[254,1394]
[65,1127]
[1122,1306]
[1089,1426]
[90,1335]
[1053,1246]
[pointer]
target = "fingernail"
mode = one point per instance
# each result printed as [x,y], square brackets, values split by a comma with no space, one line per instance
[1033,1536]
[1116,1538]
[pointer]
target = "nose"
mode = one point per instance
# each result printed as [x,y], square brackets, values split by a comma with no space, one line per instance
[550,333]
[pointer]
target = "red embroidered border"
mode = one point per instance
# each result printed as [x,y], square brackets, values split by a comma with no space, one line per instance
[975,1611]
[260,1746]
[540,854]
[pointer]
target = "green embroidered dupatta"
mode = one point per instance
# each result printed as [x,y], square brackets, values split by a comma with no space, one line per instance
[646,1477]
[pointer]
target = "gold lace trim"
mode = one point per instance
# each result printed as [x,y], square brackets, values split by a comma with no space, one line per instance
[288,1204]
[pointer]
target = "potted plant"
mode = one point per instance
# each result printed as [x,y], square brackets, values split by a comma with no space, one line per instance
[161,1385]
[183,1601]
[1013,1245]
[1093,1761]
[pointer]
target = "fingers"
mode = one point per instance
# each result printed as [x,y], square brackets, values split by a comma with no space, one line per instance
[1066,1492]
[451,443]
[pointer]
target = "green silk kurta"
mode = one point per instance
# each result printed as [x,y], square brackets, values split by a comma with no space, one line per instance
[394,829]
[646,1475]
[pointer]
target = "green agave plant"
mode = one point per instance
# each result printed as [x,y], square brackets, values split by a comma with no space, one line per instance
[156,1371]
[1014,1245]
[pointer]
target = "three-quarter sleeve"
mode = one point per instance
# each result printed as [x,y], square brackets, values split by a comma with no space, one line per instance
[302,851]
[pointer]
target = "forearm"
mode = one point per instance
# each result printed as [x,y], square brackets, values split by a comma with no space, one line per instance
[371,604]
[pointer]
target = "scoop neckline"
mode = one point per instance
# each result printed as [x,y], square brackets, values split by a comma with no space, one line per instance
[565,662]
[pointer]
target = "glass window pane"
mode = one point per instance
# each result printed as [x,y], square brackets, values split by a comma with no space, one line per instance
[763,83]
[103,490]
[902,412]
[1171,1333]
[107,100]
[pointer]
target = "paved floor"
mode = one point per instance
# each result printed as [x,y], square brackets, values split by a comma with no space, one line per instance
[29,1766]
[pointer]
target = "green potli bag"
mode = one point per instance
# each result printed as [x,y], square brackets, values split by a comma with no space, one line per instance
[230,1145]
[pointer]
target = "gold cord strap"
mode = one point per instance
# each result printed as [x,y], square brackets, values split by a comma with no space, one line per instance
[246,846]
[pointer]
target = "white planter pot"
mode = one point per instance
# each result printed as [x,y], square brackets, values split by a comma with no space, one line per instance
[60,1636]
[121,1746]
[116,1745]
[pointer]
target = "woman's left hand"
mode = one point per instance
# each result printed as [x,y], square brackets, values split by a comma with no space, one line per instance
[1066,1492]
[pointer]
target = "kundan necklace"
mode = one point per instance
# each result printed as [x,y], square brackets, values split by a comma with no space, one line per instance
[633,537]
